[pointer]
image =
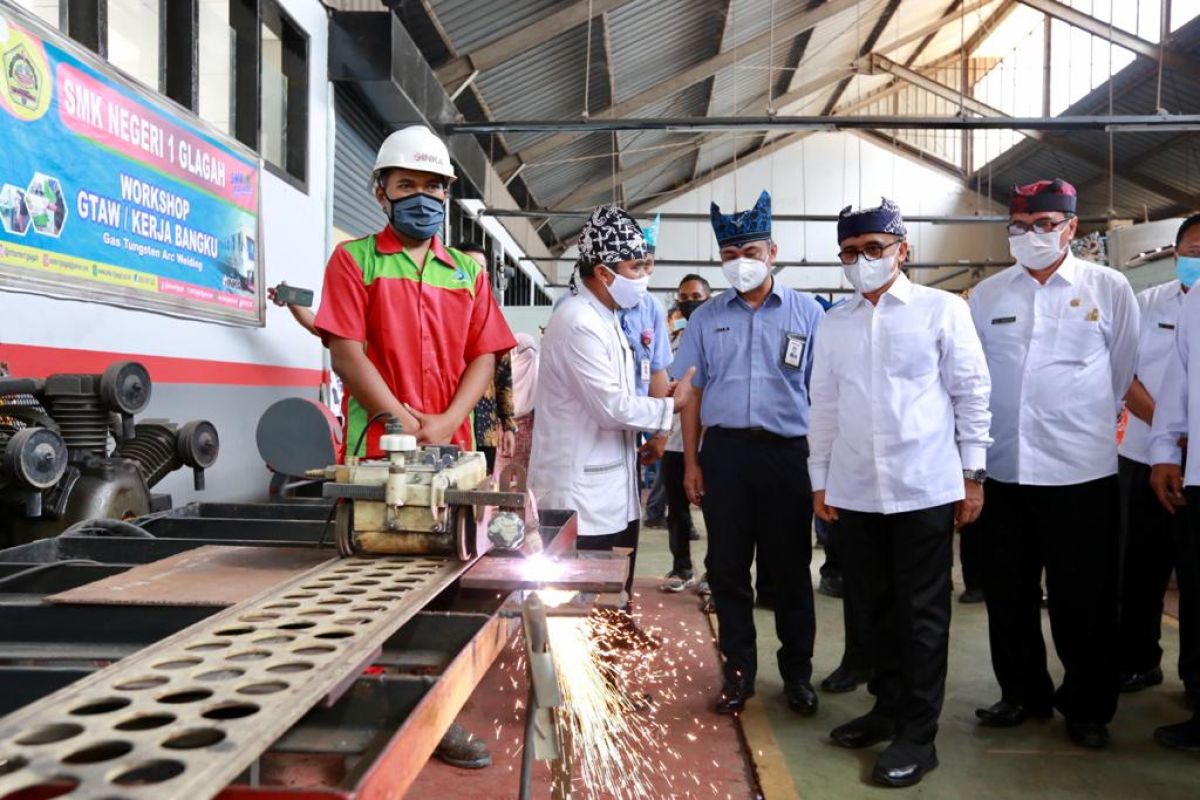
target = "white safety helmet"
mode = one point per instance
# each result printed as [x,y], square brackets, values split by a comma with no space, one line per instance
[415,147]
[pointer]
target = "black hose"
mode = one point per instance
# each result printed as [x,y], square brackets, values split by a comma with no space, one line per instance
[105,529]
[367,427]
[328,522]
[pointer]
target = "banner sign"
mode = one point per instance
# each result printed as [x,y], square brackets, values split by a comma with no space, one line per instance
[109,194]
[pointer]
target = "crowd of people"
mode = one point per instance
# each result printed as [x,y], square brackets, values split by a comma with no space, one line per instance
[895,418]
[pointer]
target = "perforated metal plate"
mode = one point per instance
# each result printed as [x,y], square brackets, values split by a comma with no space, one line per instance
[182,718]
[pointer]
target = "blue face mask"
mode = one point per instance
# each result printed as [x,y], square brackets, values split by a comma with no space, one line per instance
[418,216]
[679,324]
[1187,269]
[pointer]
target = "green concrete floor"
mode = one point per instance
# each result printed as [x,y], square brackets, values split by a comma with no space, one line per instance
[1035,760]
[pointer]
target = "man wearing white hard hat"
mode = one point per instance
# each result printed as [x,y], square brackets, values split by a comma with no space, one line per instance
[412,326]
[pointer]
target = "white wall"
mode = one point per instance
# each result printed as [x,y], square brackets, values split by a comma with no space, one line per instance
[527,319]
[821,174]
[294,249]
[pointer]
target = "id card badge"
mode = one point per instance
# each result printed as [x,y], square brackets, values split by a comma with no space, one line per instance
[644,370]
[793,350]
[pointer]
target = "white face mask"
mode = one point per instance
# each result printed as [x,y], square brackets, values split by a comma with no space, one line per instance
[745,274]
[627,293]
[866,275]
[1035,250]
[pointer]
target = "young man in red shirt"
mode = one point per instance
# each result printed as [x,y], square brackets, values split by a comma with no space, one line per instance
[412,326]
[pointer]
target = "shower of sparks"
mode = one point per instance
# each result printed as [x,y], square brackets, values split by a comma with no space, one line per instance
[614,743]
[621,739]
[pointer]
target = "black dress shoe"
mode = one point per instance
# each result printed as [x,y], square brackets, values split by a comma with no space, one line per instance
[971,596]
[1008,715]
[1136,681]
[863,732]
[1181,736]
[734,695]
[801,697]
[831,586]
[1093,735]
[843,680]
[904,764]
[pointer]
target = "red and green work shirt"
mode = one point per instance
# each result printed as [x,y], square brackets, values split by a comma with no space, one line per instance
[421,325]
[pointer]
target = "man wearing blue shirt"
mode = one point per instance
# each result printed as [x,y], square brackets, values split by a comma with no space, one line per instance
[645,328]
[752,350]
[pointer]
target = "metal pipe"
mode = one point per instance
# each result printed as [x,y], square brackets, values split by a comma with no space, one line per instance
[683,216]
[1112,123]
[686,262]
[668,290]
[526,789]
[25,573]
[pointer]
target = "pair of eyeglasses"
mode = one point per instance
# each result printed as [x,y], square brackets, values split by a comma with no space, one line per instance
[873,251]
[1040,225]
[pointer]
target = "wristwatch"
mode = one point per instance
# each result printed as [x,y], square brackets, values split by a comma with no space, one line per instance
[977,475]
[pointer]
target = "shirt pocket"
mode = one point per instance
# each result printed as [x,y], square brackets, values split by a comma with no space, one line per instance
[912,353]
[604,469]
[1078,341]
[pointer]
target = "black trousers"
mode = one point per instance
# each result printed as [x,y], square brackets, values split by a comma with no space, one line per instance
[897,569]
[971,555]
[1154,543]
[1073,533]
[679,515]
[489,457]
[757,497]
[832,565]
[859,646]
[625,538]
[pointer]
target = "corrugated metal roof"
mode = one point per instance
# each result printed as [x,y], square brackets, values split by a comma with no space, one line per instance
[471,24]
[571,166]
[658,180]
[649,41]
[1167,158]
[653,41]
[691,102]
[547,82]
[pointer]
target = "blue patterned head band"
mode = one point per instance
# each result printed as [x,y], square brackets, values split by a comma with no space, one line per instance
[650,233]
[884,219]
[740,227]
[610,236]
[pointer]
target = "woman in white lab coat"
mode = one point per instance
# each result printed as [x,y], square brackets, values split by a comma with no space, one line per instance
[588,411]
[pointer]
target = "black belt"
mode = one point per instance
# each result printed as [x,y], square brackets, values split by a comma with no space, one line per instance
[754,435]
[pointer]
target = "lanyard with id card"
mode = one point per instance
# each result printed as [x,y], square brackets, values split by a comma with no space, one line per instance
[644,370]
[793,350]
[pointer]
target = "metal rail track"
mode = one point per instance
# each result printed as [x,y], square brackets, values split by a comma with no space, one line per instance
[184,717]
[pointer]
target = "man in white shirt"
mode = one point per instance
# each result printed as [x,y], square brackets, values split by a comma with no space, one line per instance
[1176,427]
[588,411]
[898,438]
[1153,538]
[1061,341]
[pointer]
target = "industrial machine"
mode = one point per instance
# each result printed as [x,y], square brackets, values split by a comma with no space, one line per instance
[70,450]
[225,653]
[431,500]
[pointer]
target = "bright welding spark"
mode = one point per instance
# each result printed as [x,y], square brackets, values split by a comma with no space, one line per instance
[541,569]
[553,598]
[614,745]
